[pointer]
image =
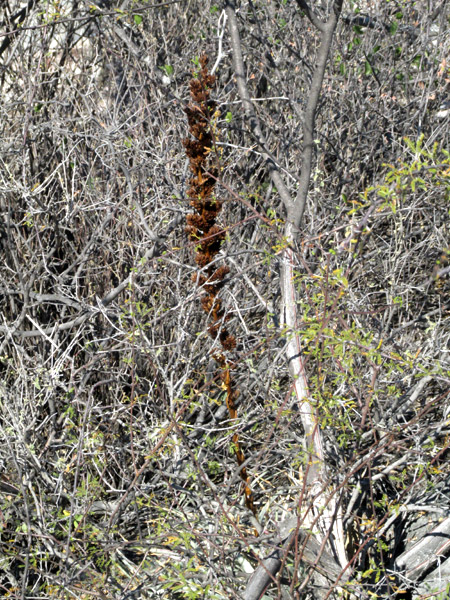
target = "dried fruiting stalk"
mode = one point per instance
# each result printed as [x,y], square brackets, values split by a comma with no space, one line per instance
[208,236]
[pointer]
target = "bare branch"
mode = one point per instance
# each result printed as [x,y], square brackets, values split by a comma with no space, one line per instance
[295,215]
[321,26]
[239,71]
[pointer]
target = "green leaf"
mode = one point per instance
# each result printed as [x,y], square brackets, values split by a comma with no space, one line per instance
[393,28]
[168,69]
[137,19]
[367,68]
[228,117]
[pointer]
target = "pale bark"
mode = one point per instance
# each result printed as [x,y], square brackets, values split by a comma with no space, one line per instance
[324,518]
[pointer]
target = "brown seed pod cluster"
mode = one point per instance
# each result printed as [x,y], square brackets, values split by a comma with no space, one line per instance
[208,236]
[202,225]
